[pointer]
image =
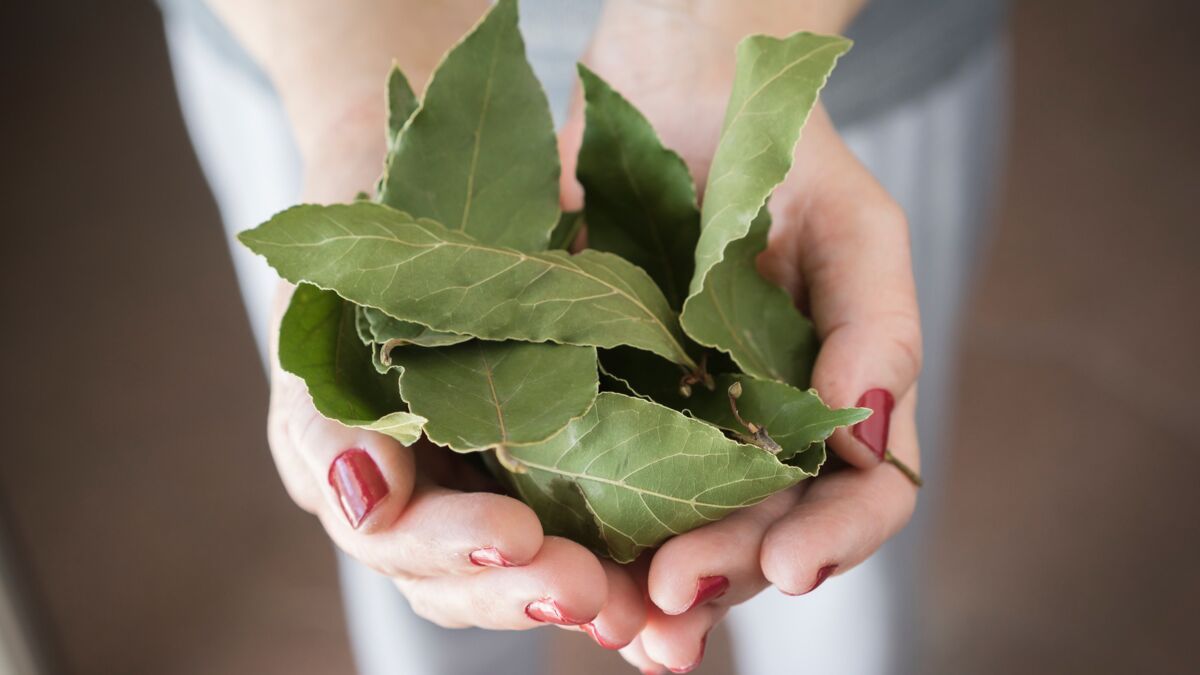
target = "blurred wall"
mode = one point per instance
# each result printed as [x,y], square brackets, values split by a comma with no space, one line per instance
[155,537]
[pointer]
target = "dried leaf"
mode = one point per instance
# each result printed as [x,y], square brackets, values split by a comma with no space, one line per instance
[420,271]
[318,343]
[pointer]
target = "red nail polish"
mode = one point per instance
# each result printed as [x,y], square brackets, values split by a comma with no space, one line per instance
[873,431]
[590,629]
[488,556]
[548,611]
[695,664]
[822,575]
[358,483]
[708,588]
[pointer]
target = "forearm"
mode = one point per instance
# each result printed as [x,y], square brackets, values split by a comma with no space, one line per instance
[329,61]
[659,43]
[739,18]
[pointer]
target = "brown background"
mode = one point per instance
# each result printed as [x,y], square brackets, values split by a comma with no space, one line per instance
[156,538]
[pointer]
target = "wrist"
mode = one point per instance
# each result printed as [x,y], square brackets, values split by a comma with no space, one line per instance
[732,20]
[342,146]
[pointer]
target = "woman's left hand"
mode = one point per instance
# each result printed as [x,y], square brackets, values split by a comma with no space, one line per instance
[840,246]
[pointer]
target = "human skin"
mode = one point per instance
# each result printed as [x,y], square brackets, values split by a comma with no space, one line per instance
[839,244]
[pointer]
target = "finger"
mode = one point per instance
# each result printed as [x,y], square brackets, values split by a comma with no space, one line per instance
[843,517]
[445,532]
[717,563]
[853,250]
[678,642]
[564,584]
[368,505]
[636,656]
[363,475]
[624,611]
[301,485]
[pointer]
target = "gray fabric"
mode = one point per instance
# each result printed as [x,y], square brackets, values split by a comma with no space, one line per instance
[902,47]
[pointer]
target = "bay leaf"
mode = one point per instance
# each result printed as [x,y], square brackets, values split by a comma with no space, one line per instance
[402,102]
[751,319]
[318,342]
[775,88]
[487,394]
[393,332]
[569,224]
[362,326]
[809,460]
[419,271]
[480,154]
[640,199]
[796,419]
[645,473]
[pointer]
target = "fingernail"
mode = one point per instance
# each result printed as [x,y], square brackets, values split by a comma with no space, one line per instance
[873,431]
[822,575]
[358,483]
[695,664]
[651,671]
[708,588]
[488,556]
[590,629]
[548,611]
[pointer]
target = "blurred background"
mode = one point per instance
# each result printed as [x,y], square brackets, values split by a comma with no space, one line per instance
[144,529]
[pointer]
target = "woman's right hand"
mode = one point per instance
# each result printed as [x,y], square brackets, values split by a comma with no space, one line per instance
[461,558]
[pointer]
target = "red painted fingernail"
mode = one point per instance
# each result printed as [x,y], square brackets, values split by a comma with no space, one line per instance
[708,588]
[651,671]
[822,575]
[548,611]
[695,664]
[358,483]
[873,431]
[590,629]
[488,556]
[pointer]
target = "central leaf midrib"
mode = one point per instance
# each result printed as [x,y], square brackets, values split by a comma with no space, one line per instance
[483,113]
[620,484]
[487,371]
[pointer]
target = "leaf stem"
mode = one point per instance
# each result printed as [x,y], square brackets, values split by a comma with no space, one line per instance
[912,476]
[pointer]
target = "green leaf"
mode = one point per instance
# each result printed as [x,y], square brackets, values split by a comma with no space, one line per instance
[753,320]
[774,89]
[401,103]
[481,155]
[794,418]
[362,326]
[645,473]
[566,230]
[810,460]
[390,332]
[318,343]
[420,271]
[641,203]
[487,394]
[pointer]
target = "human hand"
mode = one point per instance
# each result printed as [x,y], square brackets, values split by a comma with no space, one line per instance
[430,519]
[463,556]
[840,246]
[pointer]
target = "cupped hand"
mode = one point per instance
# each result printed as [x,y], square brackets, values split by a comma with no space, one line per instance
[461,558]
[840,246]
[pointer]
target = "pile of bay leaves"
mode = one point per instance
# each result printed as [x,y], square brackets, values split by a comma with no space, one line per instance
[629,392]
